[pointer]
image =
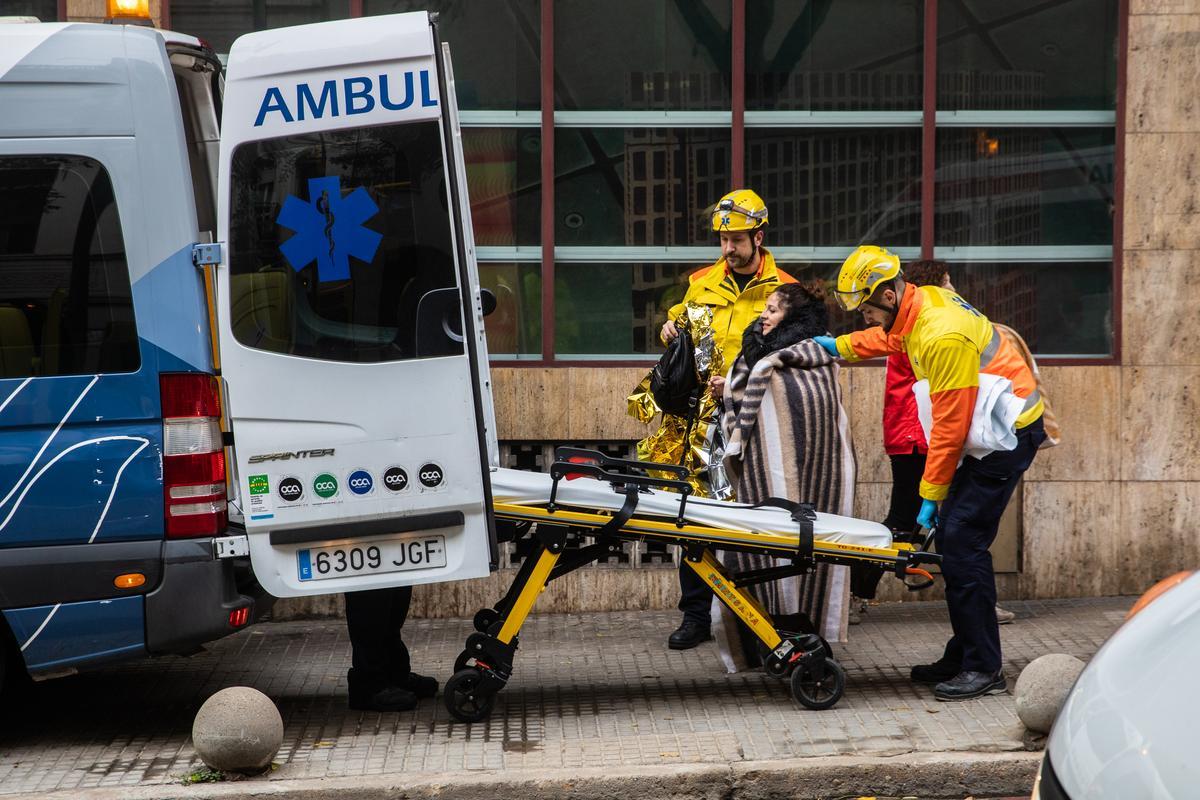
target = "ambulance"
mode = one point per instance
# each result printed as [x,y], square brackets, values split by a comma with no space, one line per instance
[241,332]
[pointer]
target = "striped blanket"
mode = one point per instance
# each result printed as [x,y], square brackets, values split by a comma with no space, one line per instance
[788,436]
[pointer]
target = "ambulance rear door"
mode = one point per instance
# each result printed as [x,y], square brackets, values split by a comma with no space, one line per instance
[348,317]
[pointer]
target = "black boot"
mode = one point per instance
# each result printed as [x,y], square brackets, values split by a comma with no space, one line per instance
[420,685]
[966,685]
[689,634]
[371,695]
[937,672]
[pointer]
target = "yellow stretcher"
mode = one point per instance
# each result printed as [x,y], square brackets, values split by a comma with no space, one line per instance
[615,501]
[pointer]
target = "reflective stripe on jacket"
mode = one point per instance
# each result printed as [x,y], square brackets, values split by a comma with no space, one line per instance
[949,343]
[733,311]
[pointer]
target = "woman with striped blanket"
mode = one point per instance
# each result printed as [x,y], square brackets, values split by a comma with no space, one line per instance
[787,436]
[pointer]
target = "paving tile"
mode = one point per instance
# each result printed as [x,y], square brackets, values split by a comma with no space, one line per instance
[588,690]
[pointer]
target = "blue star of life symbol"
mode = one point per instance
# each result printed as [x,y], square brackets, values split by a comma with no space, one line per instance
[329,229]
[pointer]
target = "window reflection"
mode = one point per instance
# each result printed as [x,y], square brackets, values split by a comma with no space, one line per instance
[1058,308]
[615,309]
[1027,54]
[504,184]
[638,186]
[850,55]
[1024,186]
[838,187]
[642,55]
[66,307]
[340,245]
[515,327]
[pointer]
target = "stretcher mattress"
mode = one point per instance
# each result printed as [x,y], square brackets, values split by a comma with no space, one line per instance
[518,487]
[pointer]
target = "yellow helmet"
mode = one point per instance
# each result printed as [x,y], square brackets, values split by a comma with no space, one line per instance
[862,272]
[740,210]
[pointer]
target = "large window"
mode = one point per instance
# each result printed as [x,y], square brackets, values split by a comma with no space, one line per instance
[1024,172]
[65,303]
[978,132]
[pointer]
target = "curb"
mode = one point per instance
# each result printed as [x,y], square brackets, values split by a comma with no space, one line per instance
[928,776]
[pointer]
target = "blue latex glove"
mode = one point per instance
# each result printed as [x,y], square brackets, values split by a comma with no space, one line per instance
[829,343]
[927,517]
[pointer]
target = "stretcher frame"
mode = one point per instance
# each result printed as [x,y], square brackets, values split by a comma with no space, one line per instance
[817,680]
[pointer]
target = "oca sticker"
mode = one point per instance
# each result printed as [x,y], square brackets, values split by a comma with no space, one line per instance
[431,475]
[325,485]
[395,479]
[291,489]
[360,482]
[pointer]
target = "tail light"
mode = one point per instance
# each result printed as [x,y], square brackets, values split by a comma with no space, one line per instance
[193,456]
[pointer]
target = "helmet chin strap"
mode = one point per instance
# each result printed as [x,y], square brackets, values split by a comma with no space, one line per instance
[890,310]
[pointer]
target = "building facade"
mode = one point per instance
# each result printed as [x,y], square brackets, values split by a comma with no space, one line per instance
[1044,150]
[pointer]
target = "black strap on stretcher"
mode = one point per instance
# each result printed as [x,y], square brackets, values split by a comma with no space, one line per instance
[573,461]
[593,463]
[804,515]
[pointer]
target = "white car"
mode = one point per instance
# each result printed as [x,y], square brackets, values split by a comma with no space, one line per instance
[1128,729]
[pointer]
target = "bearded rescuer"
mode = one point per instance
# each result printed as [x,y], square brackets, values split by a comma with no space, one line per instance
[949,343]
[736,287]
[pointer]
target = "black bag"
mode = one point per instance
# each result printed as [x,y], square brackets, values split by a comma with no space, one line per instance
[673,382]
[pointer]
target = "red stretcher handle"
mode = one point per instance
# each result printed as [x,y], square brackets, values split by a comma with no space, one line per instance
[580,460]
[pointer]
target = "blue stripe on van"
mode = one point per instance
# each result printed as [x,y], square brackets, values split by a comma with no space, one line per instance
[81,459]
[56,636]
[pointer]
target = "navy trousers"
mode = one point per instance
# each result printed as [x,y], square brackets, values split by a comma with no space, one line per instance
[967,524]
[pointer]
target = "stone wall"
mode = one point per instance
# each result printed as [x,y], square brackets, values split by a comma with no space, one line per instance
[1158,452]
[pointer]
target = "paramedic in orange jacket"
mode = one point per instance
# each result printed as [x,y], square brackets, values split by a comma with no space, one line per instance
[949,343]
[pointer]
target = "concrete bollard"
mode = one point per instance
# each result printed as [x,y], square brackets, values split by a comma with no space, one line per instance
[1042,689]
[238,730]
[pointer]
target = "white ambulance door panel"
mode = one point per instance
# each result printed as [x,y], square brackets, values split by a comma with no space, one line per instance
[355,409]
[483,363]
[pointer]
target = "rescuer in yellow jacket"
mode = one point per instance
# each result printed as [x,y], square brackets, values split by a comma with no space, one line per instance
[949,343]
[738,285]
[736,288]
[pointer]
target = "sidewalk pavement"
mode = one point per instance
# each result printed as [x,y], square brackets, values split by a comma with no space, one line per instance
[595,701]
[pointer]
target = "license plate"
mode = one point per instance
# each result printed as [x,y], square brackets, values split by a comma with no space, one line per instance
[394,555]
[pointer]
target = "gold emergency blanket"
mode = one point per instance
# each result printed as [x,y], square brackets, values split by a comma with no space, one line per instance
[704,449]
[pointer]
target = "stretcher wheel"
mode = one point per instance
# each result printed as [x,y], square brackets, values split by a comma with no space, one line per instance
[463,699]
[485,618]
[460,663]
[819,687]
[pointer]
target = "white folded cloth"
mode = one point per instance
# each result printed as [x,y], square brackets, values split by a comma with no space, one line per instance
[994,421]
